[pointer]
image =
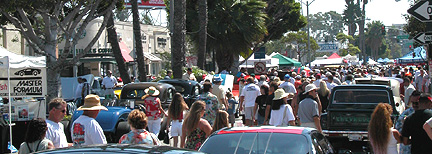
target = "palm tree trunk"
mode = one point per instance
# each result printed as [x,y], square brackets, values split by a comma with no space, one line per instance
[178,46]
[142,74]
[202,33]
[112,38]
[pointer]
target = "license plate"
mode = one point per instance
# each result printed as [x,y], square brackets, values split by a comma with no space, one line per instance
[355,137]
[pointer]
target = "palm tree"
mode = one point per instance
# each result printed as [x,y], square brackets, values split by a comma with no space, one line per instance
[142,75]
[202,15]
[112,38]
[178,46]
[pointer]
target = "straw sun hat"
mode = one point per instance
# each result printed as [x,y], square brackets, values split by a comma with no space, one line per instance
[279,94]
[152,91]
[92,102]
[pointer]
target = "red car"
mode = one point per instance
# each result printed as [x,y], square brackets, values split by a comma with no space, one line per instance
[267,139]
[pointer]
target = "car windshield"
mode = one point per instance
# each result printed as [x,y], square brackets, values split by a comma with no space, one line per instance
[356,96]
[256,143]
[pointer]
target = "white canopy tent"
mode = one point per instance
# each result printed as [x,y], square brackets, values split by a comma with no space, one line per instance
[335,61]
[22,76]
[270,62]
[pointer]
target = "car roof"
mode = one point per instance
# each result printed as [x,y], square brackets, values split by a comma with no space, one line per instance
[120,148]
[140,85]
[266,129]
[178,81]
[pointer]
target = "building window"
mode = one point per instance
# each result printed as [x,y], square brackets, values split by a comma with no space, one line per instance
[161,42]
[143,38]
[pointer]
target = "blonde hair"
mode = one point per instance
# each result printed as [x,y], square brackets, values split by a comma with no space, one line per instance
[379,128]
[221,120]
[323,90]
[192,119]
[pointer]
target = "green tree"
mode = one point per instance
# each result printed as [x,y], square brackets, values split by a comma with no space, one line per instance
[350,16]
[300,39]
[325,26]
[374,38]
[350,49]
[44,23]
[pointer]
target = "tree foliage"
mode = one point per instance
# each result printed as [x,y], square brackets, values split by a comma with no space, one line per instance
[300,39]
[374,38]
[350,48]
[325,26]
[44,23]
[350,16]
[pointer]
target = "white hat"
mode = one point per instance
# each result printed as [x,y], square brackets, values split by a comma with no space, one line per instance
[309,88]
[279,94]
[152,91]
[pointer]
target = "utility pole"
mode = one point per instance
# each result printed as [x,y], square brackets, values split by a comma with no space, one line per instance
[308,30]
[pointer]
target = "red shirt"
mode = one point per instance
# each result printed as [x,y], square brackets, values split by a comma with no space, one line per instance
[152,108]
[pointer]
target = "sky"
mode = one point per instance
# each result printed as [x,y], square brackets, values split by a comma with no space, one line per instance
[388,11]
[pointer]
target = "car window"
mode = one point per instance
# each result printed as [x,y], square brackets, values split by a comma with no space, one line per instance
[135,93]
[170,94]
[321,144]
[357,96]
[179,89]
[255,143]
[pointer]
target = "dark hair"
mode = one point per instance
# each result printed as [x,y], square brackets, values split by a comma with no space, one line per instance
[330,77]
[176,107]
[266,89]
[55,103]
[274,84]
[189,69]
[137,119]
[276,104]
[36,130]
[425,98]
[169,71]
[207,86]
[416,93]
[250,80]
[349,77]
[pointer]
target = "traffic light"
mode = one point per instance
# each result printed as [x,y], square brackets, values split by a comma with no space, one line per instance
[383,32]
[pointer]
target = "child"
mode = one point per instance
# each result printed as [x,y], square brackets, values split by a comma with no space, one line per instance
[231,108]
[221,120]
[175,113]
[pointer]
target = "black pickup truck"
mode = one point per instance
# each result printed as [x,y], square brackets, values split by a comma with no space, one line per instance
[349,111]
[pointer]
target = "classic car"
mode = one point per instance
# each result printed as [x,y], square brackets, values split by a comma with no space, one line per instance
[114,121]
[28,71]
[349,111]
[119,148]
[266,139]
[189,89]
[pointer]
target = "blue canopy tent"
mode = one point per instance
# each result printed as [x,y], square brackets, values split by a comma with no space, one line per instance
[414,57]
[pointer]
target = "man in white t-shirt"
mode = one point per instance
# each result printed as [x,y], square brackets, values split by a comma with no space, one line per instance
[55,129]
[108,84]
[247,98]
[86,130]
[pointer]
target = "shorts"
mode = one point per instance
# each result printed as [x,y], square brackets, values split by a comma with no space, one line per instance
[231,118]
[248,112]
[176,128]
[308,124]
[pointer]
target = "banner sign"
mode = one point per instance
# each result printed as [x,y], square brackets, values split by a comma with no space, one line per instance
[328,48]
[25,82]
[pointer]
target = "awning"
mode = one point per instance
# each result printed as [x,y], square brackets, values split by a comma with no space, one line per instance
[285,61]
[125,52]
[151,57]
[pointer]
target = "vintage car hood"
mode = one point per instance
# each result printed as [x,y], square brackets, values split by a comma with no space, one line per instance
[108,119]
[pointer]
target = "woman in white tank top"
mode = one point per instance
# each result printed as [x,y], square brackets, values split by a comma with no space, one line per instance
[382,136]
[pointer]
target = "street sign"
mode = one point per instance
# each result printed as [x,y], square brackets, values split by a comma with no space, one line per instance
[260,54]
[260,67]
[423,37]
[400,37]
[422,11]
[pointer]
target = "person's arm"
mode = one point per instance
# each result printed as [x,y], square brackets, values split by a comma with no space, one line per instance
[206,127]
[294,105]
[183,137]
[254,111]
[168,123]
[317,123]
[428,130]
[160,107]
[241,103]
[397,135]
[319,104]
[50,145]
[406,140]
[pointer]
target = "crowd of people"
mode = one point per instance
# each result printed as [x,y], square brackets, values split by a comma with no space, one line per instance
[298,99]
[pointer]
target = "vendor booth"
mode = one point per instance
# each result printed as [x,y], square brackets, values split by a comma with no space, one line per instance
[285,61]
[23,83]
[269,61]
[415,57]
